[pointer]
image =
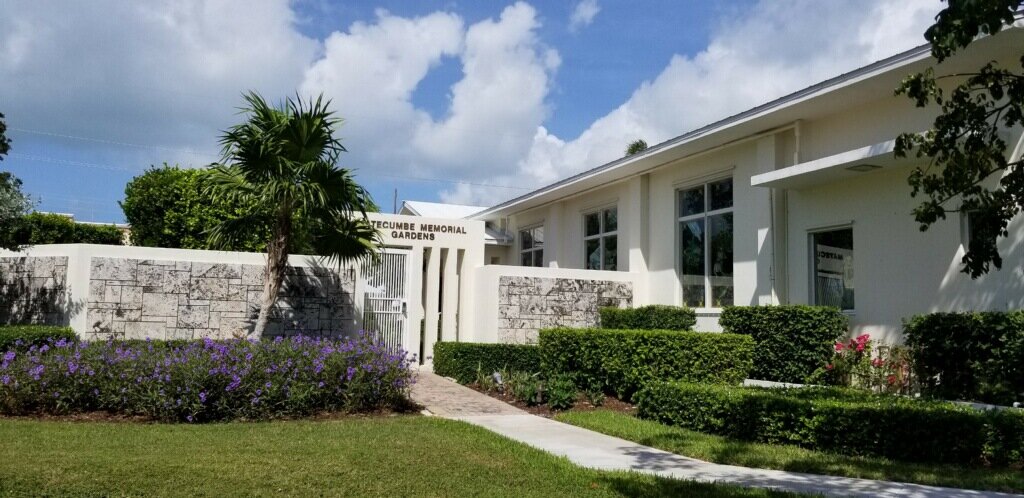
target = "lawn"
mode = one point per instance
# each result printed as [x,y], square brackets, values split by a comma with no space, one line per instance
[365,456]
[792,458]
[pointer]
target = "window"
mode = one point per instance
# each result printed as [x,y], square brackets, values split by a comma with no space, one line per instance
[832,257]
[531,246]
[600,239]
[705,244]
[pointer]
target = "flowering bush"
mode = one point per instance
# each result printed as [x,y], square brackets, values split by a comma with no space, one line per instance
[205,380]
[857,363]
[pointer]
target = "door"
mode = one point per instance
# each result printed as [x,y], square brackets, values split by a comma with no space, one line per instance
[385,289]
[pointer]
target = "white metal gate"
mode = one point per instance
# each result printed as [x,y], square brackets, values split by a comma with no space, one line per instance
[385,289]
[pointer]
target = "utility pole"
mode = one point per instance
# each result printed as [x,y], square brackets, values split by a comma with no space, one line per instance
[394,203]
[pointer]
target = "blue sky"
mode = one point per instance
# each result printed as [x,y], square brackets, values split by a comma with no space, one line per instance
[477,100]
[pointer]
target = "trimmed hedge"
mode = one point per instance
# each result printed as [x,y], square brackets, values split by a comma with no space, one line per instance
[653,317]
[50,228]
[461,360]
[969,356]
[621,361]
[32,335]
[792,341]
[841,421]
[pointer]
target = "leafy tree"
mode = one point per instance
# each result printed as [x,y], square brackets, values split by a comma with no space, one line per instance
[635,146]
[283,161]
[5,143]
[968,159]
[167,207]
[13,206]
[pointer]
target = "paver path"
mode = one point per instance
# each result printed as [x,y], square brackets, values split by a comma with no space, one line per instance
[594,450]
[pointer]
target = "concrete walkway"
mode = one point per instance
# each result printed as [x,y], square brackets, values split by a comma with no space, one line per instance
[594,450]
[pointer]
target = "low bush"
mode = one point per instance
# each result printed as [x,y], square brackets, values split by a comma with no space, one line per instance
[462,360]
[205,380]
[621,361]
[792,341]
[653,317]
[561,392]
[969,356]
[51,228]
[842,421]
[22,337]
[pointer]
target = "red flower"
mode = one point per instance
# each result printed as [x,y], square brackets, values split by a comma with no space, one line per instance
[891,379]
[839,347]
[828,367]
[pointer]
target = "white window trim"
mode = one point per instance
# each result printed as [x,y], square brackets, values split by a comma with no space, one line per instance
[600,235]
[519,244]
[707,240]
[812,259]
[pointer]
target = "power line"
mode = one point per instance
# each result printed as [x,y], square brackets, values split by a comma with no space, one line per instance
[113,142]
[46,159]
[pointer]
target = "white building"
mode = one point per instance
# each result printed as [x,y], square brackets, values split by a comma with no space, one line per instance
[799,200]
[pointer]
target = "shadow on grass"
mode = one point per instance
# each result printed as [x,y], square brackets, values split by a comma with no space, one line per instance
[629,485]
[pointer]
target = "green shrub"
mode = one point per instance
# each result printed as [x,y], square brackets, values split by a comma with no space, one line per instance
[791,341]
[529,390]
[561,392]
[32,335]
[50,228]
[653,317]
[621,361]
[462,360]
[841,421]
[969,356]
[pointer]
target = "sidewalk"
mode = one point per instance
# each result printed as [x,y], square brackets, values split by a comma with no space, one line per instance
[594,450]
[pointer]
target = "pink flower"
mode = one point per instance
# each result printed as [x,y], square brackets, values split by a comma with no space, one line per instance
[877,362]
[829,367]
[891,379]
[839,347]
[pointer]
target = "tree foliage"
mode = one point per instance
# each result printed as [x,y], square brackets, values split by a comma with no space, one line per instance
[5,143]
[167,207]
[635,146]
[283,162]
[14,205]
[969,170]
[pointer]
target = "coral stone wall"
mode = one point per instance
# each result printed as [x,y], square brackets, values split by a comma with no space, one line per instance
[33,291]
[528,304]
[138,298]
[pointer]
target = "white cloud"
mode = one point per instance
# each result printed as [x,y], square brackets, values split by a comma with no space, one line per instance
[583,14]
[371,71]
[166,73]
[774,48]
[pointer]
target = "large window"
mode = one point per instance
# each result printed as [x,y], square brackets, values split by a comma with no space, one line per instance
[832,261]
[600,239]
[705,232]
[531,246]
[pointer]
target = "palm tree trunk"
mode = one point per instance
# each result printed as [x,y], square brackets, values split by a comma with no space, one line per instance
[273,275]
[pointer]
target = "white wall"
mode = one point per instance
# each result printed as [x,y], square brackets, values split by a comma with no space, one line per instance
[899,271]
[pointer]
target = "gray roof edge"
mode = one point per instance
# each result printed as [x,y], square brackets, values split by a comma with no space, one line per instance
[822,87]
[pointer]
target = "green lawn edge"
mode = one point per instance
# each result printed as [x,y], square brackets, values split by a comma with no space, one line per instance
[361,456]
[718,449]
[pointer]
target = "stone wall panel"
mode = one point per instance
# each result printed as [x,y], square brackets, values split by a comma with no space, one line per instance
[528,304]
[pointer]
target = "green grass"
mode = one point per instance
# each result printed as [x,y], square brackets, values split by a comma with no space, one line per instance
[719,449]
[393,456]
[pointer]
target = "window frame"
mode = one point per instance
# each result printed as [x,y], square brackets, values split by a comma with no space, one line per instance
[705,216]
[812,285]
[534,249]
[601,235]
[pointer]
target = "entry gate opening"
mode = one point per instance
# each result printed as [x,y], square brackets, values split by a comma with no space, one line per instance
[385,290]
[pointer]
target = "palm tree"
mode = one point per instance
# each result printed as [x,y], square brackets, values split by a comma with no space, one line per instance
[282,161]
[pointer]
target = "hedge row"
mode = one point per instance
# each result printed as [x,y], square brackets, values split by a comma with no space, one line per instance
[49,228]
[792,341]
[462,360]
[653,317]
[622,361]
[969,356]
[829,420]
[22,337]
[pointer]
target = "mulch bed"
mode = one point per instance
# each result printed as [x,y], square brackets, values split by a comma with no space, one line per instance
[582,405]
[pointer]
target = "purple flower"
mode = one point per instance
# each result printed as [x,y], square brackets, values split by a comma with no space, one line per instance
[202,396]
